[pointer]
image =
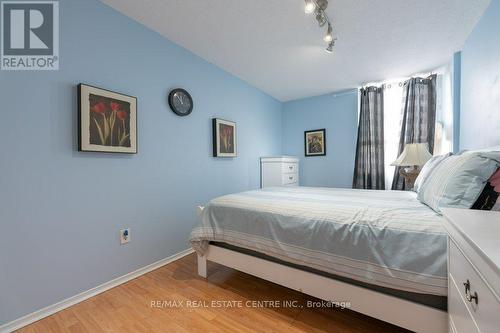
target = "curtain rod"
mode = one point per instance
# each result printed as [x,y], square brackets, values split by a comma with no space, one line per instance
[401,81]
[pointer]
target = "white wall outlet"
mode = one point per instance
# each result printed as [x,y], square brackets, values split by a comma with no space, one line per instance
[125,236]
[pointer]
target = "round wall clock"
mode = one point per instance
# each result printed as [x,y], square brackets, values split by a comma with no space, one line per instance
[180,102]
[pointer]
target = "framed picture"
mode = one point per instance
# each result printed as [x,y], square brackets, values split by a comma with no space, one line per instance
[224,138]
[107,121]
[315,142]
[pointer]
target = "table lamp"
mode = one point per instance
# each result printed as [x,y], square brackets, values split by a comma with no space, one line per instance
[413,157]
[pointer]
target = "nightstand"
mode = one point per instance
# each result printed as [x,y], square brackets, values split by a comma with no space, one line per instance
[473,270]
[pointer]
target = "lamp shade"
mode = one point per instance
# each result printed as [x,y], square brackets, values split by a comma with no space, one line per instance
[413,154]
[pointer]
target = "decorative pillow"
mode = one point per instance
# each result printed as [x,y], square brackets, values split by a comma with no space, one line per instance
[427,169]
[495,180]
[496,206]
[487,199]
[458,180]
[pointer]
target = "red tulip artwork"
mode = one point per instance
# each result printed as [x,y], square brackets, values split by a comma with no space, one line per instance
[109,124]
[224,138]
[107,121]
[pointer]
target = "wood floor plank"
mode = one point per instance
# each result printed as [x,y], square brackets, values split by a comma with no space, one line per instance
[142,305]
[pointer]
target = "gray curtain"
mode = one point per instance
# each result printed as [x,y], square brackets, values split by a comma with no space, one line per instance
[418,118]
[369,162]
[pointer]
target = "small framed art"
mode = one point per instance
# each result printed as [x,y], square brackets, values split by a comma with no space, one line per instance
[224,138]
[107,121]
[315,142]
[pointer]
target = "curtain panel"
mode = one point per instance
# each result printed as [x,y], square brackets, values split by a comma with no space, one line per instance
[418,119]
[369,162]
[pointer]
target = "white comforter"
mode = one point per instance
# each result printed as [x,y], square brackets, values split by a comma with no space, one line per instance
[386,238]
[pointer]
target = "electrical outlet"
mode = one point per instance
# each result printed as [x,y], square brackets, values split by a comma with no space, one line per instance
[124,236]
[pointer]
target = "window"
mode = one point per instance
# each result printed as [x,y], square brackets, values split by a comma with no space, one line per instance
[393,100]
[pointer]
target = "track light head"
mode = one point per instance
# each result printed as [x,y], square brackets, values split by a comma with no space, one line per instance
[320,17]
[310,6]
[329,34]
[330,46]
[322,4]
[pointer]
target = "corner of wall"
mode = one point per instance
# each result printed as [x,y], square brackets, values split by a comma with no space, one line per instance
[457,77]
[282,131]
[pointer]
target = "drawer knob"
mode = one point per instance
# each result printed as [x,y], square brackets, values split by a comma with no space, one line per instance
[290,167]
[468,295]
[290,177]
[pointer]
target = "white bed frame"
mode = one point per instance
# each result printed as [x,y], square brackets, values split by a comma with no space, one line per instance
[397,311]
[394,310]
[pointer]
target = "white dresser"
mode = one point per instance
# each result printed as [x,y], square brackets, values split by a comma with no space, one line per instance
[473,270]
[279,171]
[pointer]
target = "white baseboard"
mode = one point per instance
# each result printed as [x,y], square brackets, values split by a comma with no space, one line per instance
[51,309]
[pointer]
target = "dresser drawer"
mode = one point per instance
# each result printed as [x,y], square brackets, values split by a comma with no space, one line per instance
[290,167]
[487,310]
[290,178]
[279,171]
[461,320]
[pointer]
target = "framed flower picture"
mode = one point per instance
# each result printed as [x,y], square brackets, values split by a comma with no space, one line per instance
[315,142]
[107,121]
[224,138]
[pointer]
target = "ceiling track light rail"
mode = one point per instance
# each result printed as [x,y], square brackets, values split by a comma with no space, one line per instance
[318,7]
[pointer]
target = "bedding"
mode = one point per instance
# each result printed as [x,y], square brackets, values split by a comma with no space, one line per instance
[384,238]
[435,301]
[458,180]
[427,169]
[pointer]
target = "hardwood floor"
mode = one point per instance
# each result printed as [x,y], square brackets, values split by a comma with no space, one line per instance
[128,307]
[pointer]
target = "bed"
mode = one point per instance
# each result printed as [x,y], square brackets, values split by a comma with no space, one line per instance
[383,251]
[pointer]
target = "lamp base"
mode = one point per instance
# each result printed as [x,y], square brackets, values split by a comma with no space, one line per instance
[410,175]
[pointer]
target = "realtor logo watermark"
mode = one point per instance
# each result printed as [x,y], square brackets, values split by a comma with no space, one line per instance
[30,35]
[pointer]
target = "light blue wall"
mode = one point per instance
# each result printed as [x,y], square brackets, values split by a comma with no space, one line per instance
[480,85]
[61,210]
[338,114]
[457,77]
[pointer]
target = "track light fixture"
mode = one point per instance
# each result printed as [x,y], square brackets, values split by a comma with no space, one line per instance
[328,37]
[310,6]
[329,48]
[320,17]
[321,4]
[319,8]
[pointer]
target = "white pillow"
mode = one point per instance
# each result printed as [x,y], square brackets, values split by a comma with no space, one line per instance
[427,170]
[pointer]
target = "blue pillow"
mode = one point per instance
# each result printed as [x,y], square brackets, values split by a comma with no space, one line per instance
[458,180]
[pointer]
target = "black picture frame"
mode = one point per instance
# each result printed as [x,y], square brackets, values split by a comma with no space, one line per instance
[84,144]
[322,133]
[172,105]
[218,150]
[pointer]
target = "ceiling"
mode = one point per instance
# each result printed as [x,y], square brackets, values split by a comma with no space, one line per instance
[277,48]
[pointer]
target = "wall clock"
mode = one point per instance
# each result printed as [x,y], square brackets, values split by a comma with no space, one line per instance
[180,102]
